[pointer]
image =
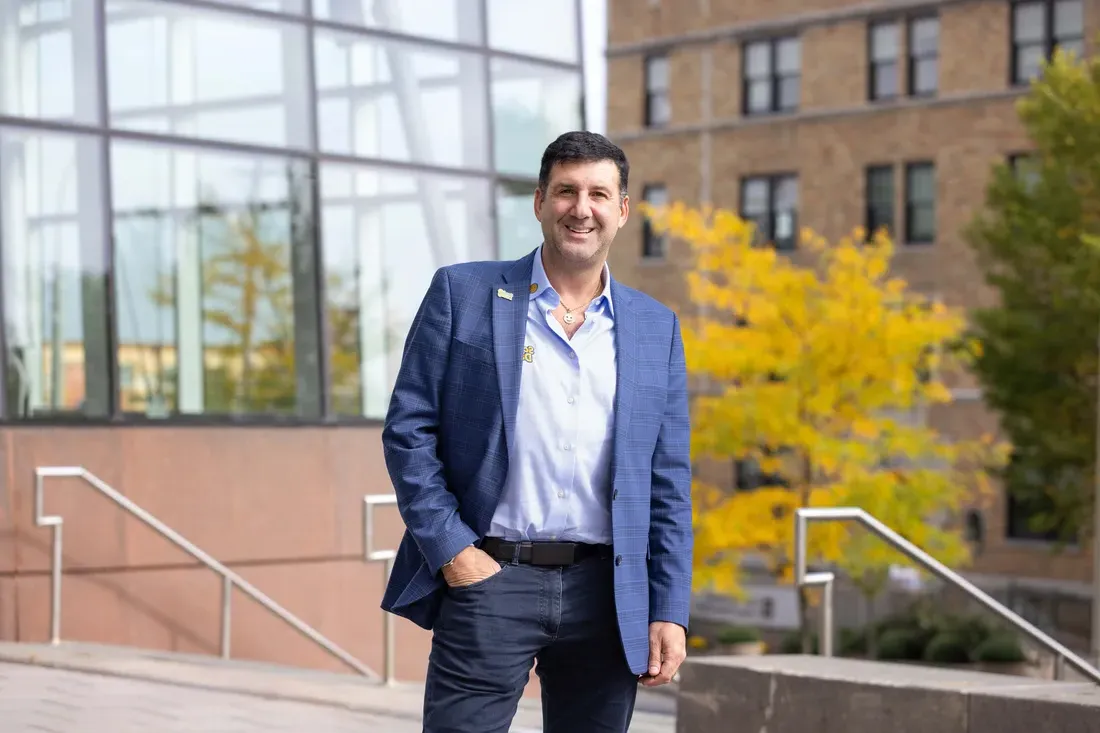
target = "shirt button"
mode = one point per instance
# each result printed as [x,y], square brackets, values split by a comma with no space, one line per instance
[561,494]
[571,400]
[572,355]
[566,446]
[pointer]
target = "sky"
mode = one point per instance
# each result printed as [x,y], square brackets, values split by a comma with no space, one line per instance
[594,26]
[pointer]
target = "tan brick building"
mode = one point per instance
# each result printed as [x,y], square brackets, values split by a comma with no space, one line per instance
[833,114]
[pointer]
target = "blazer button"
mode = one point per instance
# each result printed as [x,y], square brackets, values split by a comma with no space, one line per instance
[618,559]
[614,495]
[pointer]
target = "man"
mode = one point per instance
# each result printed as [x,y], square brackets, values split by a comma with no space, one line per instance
[538,442]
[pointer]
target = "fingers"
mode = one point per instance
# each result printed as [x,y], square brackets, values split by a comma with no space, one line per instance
[666,654]
[655,644]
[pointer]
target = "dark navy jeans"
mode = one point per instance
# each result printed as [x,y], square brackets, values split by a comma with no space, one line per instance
[489,634]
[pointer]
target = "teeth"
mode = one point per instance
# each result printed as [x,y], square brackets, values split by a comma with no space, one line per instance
[580,231]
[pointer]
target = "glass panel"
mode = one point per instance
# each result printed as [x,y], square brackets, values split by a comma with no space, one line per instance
[656,195]
[758,59]
[924,37]
[921,183]
[656,68]
[47,60]
[786,193]
[552,33]
[922,223]
[518,230]
[1029,62]
[378,99]
[880,184]
[884,42]
[206,244]
[386,232]
[885,79]
[660,109]
[754,196]
[788,56]
[789,92]
[1030,22]
[1069,19]
[54,265]
[1077,47]
[532,105]
[446,20]
[760,95]
[925,75]
[214,75]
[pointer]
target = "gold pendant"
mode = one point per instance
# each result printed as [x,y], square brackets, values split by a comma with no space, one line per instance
[568,318]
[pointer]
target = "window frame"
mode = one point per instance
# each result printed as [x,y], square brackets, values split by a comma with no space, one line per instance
[772,180]
[912,59]
[912,167]
[652,93]
[870,205]
[873,65]
[773,77]
[1048,42]
[649,236]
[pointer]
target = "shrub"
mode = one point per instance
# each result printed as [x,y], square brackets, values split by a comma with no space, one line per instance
[947,647]
[1000,648]
[852,642]
[738,635]
[792,644]
[901,644]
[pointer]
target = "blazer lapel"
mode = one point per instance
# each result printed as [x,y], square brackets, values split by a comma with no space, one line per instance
[509,332]
[626,348]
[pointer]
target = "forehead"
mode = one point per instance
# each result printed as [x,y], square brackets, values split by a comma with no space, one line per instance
[599,174]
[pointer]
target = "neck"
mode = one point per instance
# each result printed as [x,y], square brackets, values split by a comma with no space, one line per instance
[573,283]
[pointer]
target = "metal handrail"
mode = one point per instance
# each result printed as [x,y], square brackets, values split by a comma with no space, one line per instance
[803,517]
[388,556]
[230,579]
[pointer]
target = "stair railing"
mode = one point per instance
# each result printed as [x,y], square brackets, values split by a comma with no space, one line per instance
[230,579]
[803,517]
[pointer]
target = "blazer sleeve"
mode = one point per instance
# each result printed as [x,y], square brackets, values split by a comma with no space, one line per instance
[671,536]
[411,433]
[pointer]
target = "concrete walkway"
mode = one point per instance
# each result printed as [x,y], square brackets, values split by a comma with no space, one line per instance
[85,688]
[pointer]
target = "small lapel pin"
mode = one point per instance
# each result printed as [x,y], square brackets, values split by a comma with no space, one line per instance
[502,293]
[534,287]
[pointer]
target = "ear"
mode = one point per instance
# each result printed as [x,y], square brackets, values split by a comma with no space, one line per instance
[624,211]
[539,201]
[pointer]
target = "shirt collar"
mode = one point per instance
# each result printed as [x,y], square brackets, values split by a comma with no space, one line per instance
[540,284]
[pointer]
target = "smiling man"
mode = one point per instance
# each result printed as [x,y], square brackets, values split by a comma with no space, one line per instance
[538,442]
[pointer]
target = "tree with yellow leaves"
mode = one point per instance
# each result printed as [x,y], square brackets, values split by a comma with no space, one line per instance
[817,373]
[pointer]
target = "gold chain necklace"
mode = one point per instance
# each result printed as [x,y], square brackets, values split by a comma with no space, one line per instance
[569,317]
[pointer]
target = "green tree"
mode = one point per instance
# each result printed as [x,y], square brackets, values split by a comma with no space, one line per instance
[1039,359]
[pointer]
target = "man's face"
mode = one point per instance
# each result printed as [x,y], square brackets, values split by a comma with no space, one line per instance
[581,210]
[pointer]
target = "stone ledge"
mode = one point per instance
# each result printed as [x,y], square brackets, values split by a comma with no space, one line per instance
[811,694]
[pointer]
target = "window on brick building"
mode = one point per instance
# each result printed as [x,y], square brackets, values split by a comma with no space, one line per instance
[654,245]
[920,203]
[772,75]
[884,39]
[658,110]
[771,203]
[880,199]
[1040,26]
[924,56]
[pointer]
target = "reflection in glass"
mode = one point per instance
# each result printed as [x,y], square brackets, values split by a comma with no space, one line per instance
[53,274]
[207,74]
[209,311]
[446,20]
[47,60]
[532,105]
[392,100]
[552,35]
[518,230]
[385,234]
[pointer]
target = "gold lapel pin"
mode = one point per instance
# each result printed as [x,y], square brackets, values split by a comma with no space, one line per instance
[534,287]
[502,293]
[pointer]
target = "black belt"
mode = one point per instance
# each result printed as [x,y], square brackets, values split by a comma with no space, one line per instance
[543,553]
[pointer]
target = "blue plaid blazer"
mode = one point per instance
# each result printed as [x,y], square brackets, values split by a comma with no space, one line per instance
[452,419]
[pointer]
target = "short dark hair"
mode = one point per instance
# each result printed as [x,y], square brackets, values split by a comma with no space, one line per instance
[582,146]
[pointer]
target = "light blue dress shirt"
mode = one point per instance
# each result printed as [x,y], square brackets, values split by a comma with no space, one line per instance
[559,470]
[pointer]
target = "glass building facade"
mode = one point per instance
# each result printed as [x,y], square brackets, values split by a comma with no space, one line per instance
[230,210]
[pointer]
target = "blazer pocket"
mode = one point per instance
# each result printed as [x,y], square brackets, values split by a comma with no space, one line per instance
[466,350]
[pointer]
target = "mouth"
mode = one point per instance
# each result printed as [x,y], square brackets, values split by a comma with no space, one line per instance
[580,231]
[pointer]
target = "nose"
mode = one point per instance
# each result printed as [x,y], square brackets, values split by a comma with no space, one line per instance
[582,206]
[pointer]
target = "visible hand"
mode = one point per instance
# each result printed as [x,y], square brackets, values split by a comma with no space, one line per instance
[667,651]
[470,566]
